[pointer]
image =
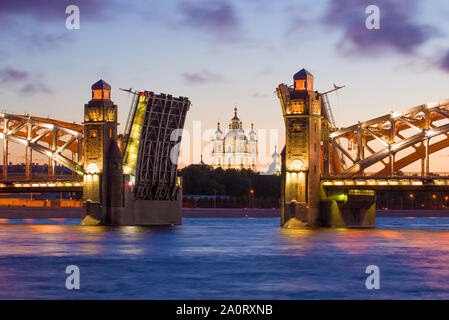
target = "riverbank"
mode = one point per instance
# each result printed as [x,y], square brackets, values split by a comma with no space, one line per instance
[71,213]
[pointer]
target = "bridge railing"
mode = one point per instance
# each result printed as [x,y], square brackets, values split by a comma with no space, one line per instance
[58,178]
[431,175]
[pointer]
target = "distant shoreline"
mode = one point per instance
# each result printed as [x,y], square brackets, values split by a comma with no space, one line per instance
[76,213]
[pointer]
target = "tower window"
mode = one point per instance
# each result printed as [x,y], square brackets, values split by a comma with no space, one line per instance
[97,94]
[300,84]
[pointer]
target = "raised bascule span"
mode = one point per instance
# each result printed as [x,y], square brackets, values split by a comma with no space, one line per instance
[128,179]
[330,176]
[141,186]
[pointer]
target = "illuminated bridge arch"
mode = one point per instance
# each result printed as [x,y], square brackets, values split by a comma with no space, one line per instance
[48,137]
[381,139]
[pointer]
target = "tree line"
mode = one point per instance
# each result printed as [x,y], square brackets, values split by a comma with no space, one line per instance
[241,187]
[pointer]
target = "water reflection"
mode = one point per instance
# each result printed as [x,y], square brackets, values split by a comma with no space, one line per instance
[225,259]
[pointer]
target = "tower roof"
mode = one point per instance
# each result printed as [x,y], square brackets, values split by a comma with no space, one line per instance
[101,85]
[302,74]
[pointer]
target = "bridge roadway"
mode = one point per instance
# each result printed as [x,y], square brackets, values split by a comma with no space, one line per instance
[403,183]
[20,184]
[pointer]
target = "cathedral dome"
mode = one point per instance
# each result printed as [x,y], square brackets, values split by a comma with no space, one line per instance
[235,148]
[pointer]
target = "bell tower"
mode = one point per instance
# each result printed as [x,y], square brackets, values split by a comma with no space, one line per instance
[301,158]
[100,135]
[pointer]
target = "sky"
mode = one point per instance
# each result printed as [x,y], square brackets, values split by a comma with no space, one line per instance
[223,54]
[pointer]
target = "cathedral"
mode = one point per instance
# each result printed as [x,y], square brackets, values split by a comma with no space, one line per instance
[235,149]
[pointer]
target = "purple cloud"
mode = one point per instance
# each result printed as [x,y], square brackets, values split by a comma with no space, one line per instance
[50,9]
[15,78]
[259,95]
[213,16]
[39,40]
[35,87]
[201,77]
[444,62]
[398,32]
[8,75]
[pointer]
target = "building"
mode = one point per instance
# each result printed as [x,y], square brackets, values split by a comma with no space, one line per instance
[235,149]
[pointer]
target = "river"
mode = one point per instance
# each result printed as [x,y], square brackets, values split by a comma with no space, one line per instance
[228,258]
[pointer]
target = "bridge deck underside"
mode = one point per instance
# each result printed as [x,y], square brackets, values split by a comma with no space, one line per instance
[156,169]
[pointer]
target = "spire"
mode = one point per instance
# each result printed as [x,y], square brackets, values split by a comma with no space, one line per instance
[275,154]
[201,162]
[236,123]
[218,131]
[252,133]
[236,118]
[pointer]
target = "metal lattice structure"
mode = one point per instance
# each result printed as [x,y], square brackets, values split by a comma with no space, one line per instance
[156,170]
[52,138]
[380,140]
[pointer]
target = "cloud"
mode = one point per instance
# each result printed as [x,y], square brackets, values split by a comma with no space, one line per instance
[35,87]
[444,62]
[50,9]
[213,17]
[9,75]
[259,95]
[26,82]
[398,32]
[201,77]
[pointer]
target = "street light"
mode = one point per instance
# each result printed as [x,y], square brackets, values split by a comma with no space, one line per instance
[412,198]
[251,198]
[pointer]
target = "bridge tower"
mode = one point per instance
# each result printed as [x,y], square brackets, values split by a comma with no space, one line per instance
[301,160]
[103,178]
[305,160]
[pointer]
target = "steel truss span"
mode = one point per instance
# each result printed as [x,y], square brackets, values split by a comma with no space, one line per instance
[49,137]
[384,137]
[156,170]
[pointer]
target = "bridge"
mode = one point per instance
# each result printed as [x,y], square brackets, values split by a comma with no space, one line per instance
[60,142]
[127,179]
[330,175]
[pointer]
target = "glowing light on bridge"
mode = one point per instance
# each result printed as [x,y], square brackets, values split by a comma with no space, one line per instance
[132,147]
[382,182]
